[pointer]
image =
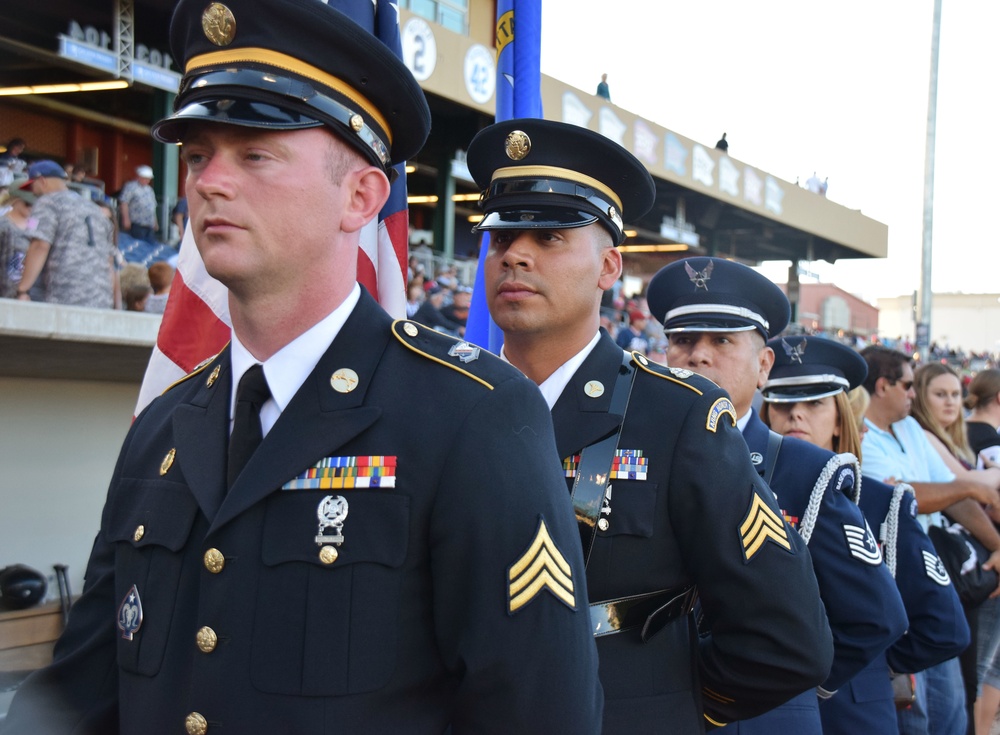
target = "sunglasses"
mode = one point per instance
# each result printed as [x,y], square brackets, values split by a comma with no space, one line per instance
[907,384]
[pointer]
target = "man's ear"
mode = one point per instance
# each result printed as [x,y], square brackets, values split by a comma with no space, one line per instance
[611,268]
[766,363]
[366,191]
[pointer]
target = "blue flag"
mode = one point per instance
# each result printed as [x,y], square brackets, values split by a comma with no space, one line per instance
[518,95]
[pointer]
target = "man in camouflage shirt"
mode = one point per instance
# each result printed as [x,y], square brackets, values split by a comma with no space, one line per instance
[137,203]
[72,248]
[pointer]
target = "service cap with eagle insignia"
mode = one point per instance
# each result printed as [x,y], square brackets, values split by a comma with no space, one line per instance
[716,295]
[546,175]
[294,64]
[808,368]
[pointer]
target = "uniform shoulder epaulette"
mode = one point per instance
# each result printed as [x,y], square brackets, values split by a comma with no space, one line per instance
[674,375]
[463,357]
[200,367]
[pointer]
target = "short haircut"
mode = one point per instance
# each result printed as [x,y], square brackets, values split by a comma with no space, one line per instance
[161,275]
[883,363]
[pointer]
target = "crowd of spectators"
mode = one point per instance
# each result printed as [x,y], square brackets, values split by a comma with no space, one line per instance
[63,240]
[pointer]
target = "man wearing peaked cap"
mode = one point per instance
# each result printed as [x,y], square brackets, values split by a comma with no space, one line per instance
[648,454]
[806,396]
[280,551]
[717,315]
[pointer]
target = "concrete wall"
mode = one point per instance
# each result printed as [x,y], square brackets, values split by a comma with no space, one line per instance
[59,440]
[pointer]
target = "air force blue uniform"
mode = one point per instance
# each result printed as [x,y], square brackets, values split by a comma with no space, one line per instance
[937,628]
[865,611]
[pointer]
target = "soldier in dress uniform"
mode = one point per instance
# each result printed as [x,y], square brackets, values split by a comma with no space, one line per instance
[668,504]
[355,572]
[806,396]
[717,315]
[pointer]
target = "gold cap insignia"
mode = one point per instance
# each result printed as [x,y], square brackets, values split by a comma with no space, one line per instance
[167,462]
[517,145]
[760,525]
[541,567]
[344,380]
[219,24]
[722,407]
[357,123]
[213,377]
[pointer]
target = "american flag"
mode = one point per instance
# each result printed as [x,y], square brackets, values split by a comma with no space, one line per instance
[196,323]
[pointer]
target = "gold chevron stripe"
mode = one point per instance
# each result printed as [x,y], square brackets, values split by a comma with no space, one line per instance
[760,525]
[541,567]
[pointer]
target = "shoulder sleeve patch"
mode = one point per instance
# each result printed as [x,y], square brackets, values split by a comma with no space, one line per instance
[541,567]
[674,375]
[761,525]
[721,407]
[198,369]
[437,347]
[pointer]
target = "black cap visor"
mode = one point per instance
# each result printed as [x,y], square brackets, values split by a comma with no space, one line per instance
[258,99]
[536,218]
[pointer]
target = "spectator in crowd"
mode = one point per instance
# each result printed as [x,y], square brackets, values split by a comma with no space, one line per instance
[806,396]
[414,297]
[722,144]
[717,315]
[429,314]
[137,206]
[937,407]
[602,88]
[12,166]
[458,310]
[814,185]
[14,241]
[983,402]
[896,449]
[179,216]
[670,517]
[421,571]
[633,337]
[135,287]
[161,275]
[71,251]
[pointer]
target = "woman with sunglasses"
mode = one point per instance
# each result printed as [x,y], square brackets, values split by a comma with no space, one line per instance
[806,397]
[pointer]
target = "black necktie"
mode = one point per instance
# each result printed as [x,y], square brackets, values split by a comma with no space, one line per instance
[247,432]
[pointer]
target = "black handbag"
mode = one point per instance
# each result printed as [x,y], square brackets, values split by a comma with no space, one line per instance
[963,558]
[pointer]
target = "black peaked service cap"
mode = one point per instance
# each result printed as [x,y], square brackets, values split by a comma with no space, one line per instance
[294,64]
[541,174]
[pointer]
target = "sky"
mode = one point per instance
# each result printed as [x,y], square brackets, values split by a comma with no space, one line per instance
[801,86]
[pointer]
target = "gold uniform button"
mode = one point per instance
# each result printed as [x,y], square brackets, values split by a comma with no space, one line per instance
[214,561]
[140,531]
[196,724]
[206,639]
[328,554]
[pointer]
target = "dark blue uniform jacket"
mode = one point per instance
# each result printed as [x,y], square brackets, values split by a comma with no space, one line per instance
[457,598]
[679,524]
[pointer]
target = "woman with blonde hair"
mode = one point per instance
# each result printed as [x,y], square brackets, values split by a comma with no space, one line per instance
[806,397]
[937,407]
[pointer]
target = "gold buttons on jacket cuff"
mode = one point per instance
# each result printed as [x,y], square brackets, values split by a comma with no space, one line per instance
[140,531]
[328,554]
[214,561]
[206,639]
[196,724]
